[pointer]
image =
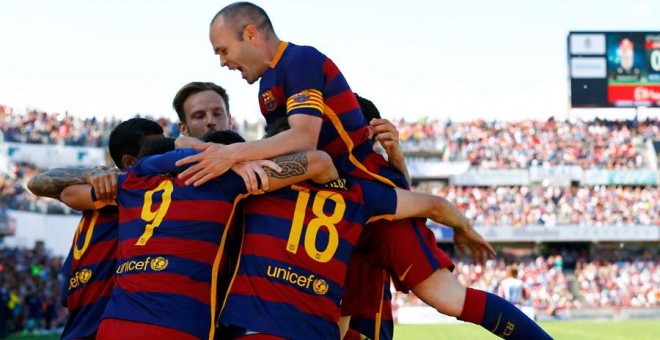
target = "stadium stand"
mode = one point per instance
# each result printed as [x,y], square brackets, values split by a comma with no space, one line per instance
[519,145]
[591,175]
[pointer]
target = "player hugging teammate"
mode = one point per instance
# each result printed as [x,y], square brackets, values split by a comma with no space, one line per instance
[235,240]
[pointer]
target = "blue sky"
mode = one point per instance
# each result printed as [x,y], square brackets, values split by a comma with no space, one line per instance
[442,59]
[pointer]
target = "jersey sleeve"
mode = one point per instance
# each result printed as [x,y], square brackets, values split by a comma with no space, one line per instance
[231,182]
[164,163]
[380,201]
[304,81]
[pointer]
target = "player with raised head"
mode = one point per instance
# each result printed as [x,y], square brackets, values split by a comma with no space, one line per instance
[89,268]
[171,242]
[302,84]
[306,88]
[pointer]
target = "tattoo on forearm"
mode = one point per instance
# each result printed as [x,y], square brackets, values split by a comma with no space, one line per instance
[292,165]
[50,183]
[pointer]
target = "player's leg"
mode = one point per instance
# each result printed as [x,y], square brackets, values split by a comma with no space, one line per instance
[443,292]
[407,250]
[391,245]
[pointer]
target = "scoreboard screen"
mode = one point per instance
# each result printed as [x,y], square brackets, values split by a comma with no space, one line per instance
[614,69]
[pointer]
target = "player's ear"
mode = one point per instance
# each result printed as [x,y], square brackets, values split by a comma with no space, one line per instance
[250,33]
[183,129]
[128,160]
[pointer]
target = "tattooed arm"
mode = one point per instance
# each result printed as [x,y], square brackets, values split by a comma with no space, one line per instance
[50,183]
[301,166]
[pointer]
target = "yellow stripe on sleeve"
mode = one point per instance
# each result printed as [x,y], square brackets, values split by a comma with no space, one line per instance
[305,99]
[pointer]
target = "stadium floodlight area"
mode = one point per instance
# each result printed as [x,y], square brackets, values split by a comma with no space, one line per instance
[614,69]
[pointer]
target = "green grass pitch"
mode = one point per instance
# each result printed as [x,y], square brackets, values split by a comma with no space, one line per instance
[560,330]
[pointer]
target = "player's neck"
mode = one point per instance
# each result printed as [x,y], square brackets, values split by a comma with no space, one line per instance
[272,46]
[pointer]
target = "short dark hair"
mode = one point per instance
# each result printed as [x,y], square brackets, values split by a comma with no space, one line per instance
[196,87]
[127,137]
[369,110]
[281,124]
[241,14]
[156,147]
[225,137]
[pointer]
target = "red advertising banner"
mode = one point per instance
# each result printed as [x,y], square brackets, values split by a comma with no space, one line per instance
[634,93]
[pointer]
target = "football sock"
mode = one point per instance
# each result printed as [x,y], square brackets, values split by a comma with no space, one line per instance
[499,316]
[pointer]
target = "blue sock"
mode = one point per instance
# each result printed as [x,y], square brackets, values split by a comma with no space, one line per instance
[499,317]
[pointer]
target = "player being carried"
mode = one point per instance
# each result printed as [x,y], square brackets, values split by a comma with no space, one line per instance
[306,87]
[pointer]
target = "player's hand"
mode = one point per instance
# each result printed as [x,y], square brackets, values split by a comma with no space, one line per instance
[186,142]
[213,161]
[104,183]
[388,137]
[480,249]
[253,172]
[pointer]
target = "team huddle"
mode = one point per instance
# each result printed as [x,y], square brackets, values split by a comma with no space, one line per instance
[294,236]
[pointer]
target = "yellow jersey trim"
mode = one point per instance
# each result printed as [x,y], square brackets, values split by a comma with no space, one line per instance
[216,265]
[278,54]
[334,118]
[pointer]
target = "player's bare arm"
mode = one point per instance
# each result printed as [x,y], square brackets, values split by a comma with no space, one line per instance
[309,165]
[411,204]
[301,166]
[214,160]
[52,182]
[78,197]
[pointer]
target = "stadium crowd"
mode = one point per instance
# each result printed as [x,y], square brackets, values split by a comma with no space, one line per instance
[493,145]
[518,145]
[15,195]
[523,205]
[599,283]
[29,291]
[620,283]
[38,127]
[543,279]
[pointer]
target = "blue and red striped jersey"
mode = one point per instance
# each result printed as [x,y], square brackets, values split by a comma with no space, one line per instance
[296,247]
[171,241]
[301,80]
[88,272]
[377,326]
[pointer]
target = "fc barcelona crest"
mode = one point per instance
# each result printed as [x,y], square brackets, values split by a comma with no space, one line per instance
[268,99]
[302,97]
